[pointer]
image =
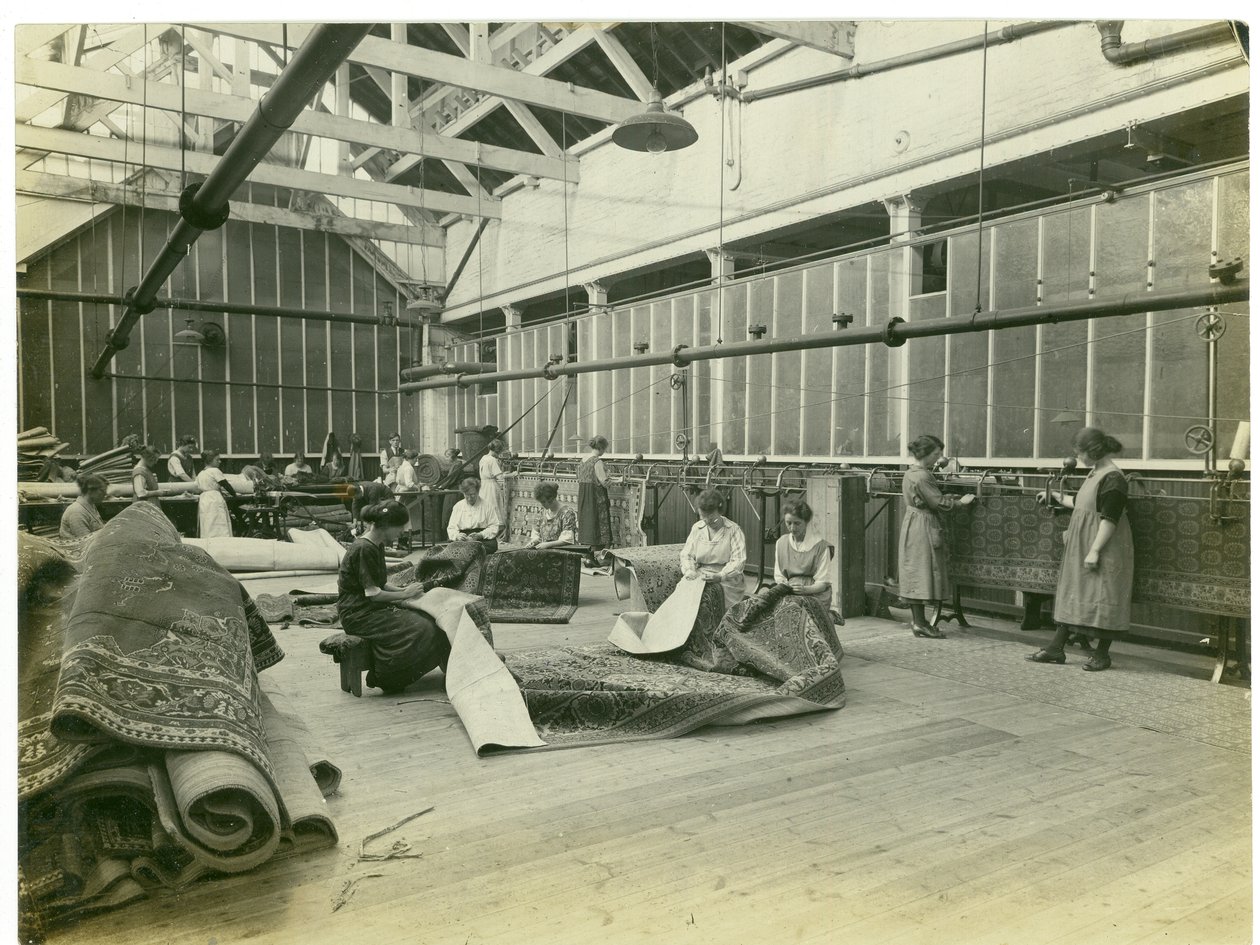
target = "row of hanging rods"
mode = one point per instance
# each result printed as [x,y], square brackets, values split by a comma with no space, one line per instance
[894,333]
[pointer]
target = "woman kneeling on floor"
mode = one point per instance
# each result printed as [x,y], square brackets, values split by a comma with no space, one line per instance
[405,643]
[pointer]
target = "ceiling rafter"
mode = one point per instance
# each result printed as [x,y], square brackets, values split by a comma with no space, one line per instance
[525,85]
[107,149]
[568,47]
[125,45]
[166,197]
[409,141]
[624,63]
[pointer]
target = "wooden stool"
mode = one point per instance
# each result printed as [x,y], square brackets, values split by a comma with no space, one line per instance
[353,655]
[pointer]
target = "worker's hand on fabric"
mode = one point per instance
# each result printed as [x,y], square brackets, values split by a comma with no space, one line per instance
[692,576]
[414,590]
[967,500]
[1091,561]
[713,578]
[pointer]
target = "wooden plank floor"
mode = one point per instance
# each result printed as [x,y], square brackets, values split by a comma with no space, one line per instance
[961,796]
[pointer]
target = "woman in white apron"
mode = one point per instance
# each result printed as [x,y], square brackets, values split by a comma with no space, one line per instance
[213,520]
[715,549]
[1096,576]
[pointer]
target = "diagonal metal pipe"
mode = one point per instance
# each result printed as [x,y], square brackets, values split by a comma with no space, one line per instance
[204,206]
[894,334]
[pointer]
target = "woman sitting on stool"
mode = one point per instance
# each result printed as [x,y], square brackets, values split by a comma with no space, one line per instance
[558,526]
[715,549]
[799,563]
[473,519]
[405,643]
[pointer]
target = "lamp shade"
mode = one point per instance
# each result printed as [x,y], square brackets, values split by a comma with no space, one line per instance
[189,335]
[655,130]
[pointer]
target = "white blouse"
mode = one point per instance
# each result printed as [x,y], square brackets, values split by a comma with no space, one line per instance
[720,549]
[208,479]
[824,563]
[482,516]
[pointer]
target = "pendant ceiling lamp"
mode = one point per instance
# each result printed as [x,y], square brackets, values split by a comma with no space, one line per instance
[655,130]
[189,335]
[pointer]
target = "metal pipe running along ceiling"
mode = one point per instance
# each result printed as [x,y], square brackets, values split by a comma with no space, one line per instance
[896,332]
[204,206]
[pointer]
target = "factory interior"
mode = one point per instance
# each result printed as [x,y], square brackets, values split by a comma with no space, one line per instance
[632,481]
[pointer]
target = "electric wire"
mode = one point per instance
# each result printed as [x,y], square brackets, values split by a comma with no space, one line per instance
[984,94]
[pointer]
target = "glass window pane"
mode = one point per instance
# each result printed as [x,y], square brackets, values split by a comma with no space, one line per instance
[969,354]
[786,396]
[925,383]
[1123,231]
[1065,277]
[849,383]
[1015,349]
[816,378]
[1119,352]
[884,432]
[1233,367]
[732,326]
[661,394]
[760,305]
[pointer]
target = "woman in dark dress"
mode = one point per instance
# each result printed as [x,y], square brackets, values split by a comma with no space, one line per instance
[594,513]
[405,643]
[922,561]
[1096,575]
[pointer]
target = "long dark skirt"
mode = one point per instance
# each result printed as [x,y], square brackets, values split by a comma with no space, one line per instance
[594,515]
[406,644]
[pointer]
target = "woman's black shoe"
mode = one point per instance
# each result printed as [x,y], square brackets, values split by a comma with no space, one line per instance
[920,630]
[1046,656]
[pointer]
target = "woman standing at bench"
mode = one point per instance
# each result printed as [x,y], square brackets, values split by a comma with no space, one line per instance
[405,643]
[921,558]
[1096,575]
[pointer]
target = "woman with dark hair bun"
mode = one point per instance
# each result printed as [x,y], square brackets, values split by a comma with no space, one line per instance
[83,515]
[922,564]
[594,512]
[405,643]
[557,526]
[1096,575]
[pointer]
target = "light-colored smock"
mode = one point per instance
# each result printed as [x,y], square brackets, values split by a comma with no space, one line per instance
[922,560]
[718,550]
[491,474]
[802,564]
[1096,600]
[213,520]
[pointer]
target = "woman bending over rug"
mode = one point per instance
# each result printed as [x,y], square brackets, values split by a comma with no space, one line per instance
[558,525]
[799,562]
[715,549]
[922,562]
[1096,575]
[594,512]
[474,519]
[405,643]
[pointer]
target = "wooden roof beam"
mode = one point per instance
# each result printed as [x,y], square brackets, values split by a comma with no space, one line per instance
[125,45]
[154,197]
[835,37]
[107,149]
[568,47]
[624,63]
[527,85]
[406,141]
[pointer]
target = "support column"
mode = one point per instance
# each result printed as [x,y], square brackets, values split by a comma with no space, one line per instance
[721,265]
[905,219]
[722,270]
[597,296]
[511,317]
